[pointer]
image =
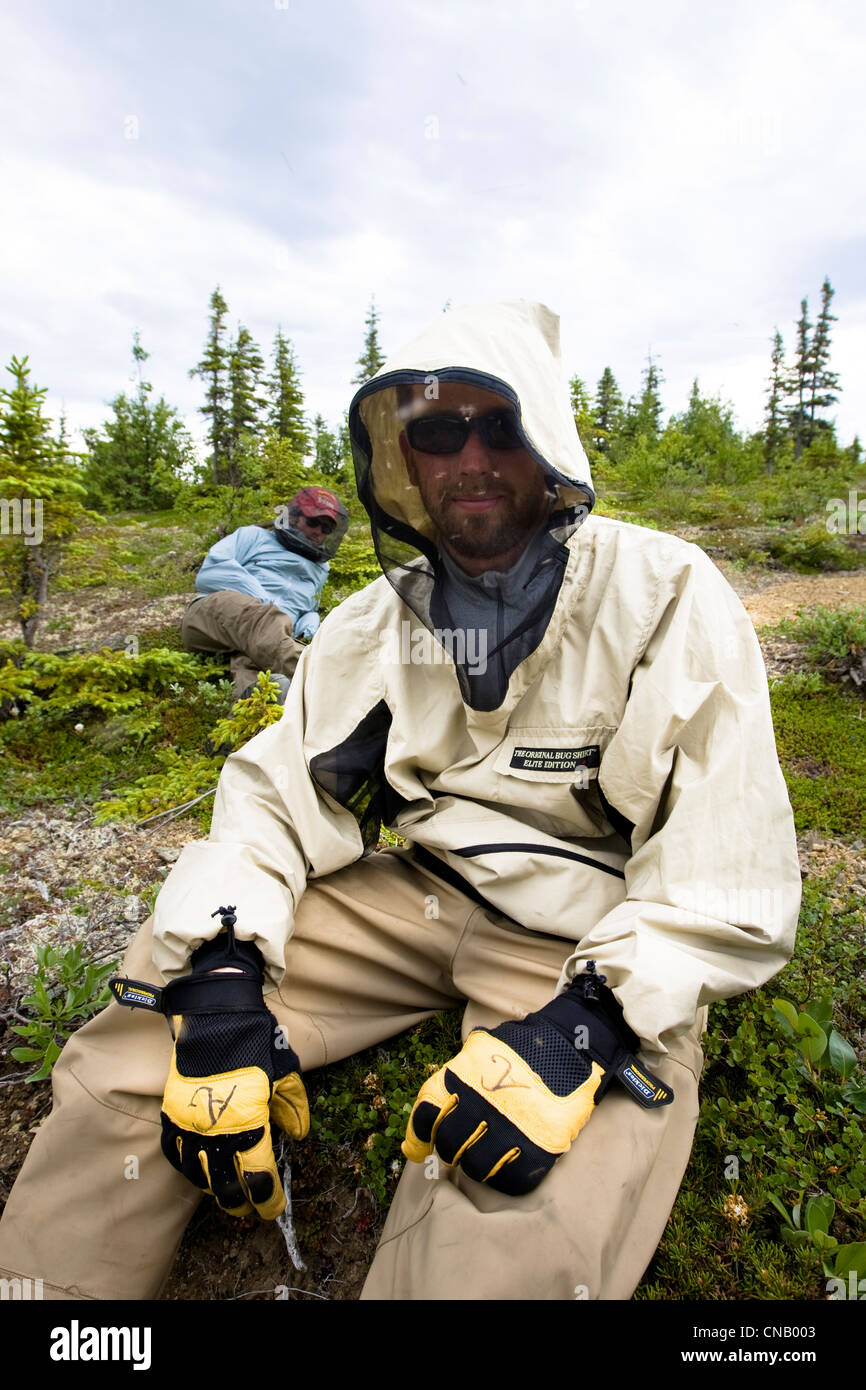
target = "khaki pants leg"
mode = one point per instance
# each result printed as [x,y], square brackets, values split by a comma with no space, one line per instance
[97,1211]
[258,635]
[590,1228]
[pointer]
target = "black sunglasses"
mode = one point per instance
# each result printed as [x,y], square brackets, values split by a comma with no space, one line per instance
[325,524]
[447,434]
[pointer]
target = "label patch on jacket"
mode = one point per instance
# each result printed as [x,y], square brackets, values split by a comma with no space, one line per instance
[556,759]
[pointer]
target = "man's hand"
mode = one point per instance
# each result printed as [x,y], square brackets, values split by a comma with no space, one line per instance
[515,1097]
[232,1072]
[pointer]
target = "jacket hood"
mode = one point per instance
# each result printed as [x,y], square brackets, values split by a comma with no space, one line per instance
[511,348]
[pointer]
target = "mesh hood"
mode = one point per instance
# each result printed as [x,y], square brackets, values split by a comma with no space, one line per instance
[292,539]
[509,348]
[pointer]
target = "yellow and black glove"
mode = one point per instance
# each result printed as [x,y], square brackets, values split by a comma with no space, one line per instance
[232,1072]
[515,1097]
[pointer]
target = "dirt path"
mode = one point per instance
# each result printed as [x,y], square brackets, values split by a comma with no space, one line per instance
[90,618]
[781,600]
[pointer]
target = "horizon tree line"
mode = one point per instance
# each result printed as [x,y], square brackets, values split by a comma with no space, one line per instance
[137,457]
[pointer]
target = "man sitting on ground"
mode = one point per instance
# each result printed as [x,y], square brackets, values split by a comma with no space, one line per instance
[259,590]
[598,844]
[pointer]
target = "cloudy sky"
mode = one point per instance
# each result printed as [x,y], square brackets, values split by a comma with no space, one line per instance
[672,178]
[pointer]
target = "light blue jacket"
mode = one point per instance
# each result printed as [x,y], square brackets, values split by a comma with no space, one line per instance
[252,561]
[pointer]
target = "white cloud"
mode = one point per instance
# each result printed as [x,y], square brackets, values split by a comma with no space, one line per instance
[663,176]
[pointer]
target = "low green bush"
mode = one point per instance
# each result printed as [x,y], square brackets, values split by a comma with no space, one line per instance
[360,1107]
[184,777]
[811,549]
[827,633]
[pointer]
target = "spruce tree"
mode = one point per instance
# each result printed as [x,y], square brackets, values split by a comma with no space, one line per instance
[607,411]
[823,384]
[774,426]
[799,379]
[40,498]
[137,458]
[246,365]
[372,357]
[582,410]
[328,448]
[648,419]
[286,416]
[703,440]
[213,370]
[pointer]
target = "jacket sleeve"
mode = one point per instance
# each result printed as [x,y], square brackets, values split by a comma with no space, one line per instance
[713,883]
[224,567]
[307,624]
[273,826]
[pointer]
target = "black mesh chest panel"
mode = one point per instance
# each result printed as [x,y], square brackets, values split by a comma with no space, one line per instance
[353,773]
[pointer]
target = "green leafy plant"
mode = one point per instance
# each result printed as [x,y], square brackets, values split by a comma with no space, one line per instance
[810,1226]
[364,1104]
[65,990]
[182,778]
[16,683]
[249,716]
[821,1047]
[800,683]
[812,548]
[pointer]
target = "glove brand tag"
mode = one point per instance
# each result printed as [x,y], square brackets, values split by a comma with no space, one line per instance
[136,995]
[645,1088]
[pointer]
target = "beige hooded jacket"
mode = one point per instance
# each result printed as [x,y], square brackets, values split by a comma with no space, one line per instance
[626,794]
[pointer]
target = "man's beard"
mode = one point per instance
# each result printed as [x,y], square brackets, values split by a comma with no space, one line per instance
[480,536]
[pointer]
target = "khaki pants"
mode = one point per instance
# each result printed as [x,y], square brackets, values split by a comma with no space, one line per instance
[378,947]
[257,636]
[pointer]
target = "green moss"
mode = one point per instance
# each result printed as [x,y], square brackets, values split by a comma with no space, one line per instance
[164,638]
[45,761]
[821,738]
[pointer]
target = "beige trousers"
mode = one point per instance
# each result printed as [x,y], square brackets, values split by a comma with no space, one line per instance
[377,947]
[257,636]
